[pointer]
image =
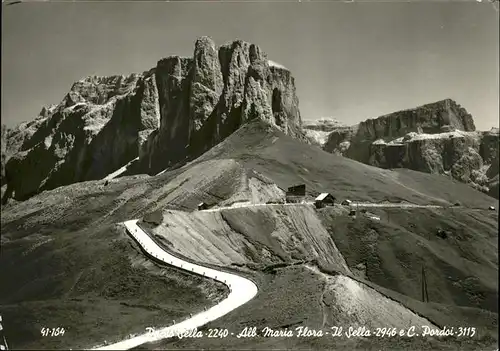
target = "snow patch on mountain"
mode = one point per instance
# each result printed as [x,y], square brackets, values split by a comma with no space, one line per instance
[276,64]
[317,136]
[410,137]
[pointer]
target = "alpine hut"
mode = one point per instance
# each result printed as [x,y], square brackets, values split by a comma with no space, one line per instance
[202,206]
[324,199]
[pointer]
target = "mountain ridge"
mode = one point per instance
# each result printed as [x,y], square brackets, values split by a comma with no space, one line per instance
[438,137]
[176,111]
[165,115]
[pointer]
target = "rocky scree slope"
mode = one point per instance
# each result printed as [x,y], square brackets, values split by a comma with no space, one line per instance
[435,138]
[165,116]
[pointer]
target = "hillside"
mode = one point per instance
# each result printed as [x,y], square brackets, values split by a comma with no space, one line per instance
[250,236]
[296,295]
[288,162]
[461,268]
[93,281]
[74,227]
[324,268]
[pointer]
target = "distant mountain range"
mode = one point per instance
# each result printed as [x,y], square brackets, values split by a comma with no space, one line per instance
[178,110]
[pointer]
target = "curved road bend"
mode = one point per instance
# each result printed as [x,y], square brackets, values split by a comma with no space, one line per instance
[241,289]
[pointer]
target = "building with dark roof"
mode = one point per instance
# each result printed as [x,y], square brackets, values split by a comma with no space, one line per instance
[296,193]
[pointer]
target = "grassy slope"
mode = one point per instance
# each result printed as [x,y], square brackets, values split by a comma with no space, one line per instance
[87,259]
[461,269]
[64,264]
[290,297]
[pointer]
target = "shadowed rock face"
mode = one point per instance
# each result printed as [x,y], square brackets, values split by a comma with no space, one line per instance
[92,131]
[470,157]
[435,138]
[13,139]
[432,118]
[206,98]
[166,116]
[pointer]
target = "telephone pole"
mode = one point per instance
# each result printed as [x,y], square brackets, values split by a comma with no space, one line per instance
[425,295]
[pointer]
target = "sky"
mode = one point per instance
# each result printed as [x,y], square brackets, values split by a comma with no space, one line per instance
[351,61]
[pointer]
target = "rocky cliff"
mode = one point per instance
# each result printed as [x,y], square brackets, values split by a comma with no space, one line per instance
[91,132]
[204,99]
[13,138]
[434,138]
[432,118]
[165,116]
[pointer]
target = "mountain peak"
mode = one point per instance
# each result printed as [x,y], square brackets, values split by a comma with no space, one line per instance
[172,112]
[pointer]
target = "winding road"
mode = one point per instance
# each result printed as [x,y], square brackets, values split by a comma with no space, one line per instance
[241,289]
